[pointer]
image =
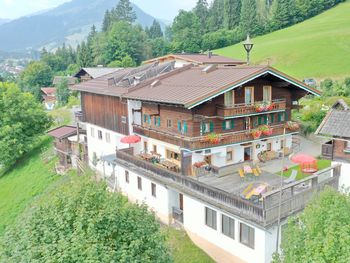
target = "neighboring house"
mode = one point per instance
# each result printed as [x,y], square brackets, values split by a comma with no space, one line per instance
[85,74]
[336,126]
[58,79]
[197,60]
[68,147]
[49,97]
[195,125]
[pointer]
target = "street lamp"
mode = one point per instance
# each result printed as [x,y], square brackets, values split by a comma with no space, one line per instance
[248,46]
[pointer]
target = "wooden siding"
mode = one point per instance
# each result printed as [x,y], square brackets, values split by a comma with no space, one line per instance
[105,111]
[338,150]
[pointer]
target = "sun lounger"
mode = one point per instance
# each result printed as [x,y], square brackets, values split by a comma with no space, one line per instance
[249,187]
[292,177]
[255,172]
[258,169]
[241,173]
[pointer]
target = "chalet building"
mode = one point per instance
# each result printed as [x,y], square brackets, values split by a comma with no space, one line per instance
[336,127]
[194,127]
[196,59]
[49,99]
[69,147]
[85,74]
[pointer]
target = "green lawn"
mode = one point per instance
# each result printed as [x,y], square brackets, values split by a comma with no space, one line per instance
[183,249]
[61,116]
[19,186]
[321,164]
[318,47]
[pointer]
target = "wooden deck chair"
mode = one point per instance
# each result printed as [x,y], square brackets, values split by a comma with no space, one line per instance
[255,172]
[258,169]
[241,173]
[248,188]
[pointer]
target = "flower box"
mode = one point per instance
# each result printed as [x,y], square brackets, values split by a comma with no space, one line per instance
[256,133]
[293,126]
[212,138]
[266,130]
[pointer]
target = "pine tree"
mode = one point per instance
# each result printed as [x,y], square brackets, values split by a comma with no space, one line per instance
[106,21]
[154,31]
[232,12]
[124,12]
[283,14]
[216,18]
[201,11]
[84,58]
[248,21]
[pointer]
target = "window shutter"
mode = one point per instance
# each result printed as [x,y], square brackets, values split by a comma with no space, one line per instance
[158,121]
[259,120]
[155,120]
[144,118]
[203,127]
[224,125]
[232,124]
[211,126]
[185,127]
[149,119]
[265,119]
[279,117]
[179,126]
[285,116]
[272,117]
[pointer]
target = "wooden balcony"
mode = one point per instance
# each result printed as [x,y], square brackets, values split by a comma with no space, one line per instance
[265,212]
[194,143]
[244,109]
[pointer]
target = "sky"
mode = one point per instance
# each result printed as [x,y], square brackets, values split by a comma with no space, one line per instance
[163,9]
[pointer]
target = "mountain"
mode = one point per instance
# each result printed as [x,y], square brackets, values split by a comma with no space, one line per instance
[68,23]
[318,47]
[3,21]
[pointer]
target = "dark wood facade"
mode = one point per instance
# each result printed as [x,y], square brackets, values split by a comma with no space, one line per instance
[336,149]
[105,111]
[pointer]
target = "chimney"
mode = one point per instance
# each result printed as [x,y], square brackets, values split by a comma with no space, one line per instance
[210,53]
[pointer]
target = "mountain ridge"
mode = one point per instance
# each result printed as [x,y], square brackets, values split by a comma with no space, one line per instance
[67,23]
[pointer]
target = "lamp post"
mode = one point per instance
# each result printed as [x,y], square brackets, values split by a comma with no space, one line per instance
[248,46]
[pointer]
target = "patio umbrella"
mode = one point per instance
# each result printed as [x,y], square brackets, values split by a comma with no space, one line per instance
[130,139]
[307,163]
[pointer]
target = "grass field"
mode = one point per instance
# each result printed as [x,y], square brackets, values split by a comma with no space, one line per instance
[321,164]
[318,47]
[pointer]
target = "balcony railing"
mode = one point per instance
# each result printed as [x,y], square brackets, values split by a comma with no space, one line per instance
[295,196]
[244,109]
[200,142]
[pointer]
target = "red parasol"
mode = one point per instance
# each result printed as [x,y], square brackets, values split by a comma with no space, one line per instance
[130,139]
[308,164]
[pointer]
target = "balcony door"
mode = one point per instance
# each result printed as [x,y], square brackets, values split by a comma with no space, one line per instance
[229,98]
[267,96]
[249,95]
[248,153]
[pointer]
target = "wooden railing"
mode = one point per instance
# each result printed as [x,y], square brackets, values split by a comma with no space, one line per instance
[193,143]
[244,109]
[295,196]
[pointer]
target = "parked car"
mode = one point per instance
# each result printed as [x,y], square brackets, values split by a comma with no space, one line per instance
[310,82]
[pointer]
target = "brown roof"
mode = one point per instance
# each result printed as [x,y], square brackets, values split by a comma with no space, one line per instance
[202,59]
[63,132]
[49,91]
[96,72]
[191,86]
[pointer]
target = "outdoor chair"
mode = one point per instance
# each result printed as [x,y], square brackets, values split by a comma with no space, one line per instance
[292,177]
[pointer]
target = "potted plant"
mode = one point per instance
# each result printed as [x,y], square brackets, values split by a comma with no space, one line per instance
[293,126]
[213,138]
[256,133]
[265,106]
[266,130]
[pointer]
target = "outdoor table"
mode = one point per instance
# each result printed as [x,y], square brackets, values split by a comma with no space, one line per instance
[146,156]
[169,165]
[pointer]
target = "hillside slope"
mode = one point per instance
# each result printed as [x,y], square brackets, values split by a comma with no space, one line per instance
[318,47]
[69,23]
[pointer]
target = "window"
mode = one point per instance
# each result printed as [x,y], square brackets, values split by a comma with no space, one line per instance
[229,98]
[272,118]
[247,123]
[139,183]
[108,137]
[154,189]
[267,93]
[229,155]
[92,131]
[281,116]
[127,177]
[210,217]
[179,126]
[169,123]
[246,236]
[155,148]
[282,144]
[172,155]
[158,122]
[262,120]
[144,118]
[249,95]
[145,146]
[184,127]
[123,119]
[268,146]
[228,125]
[99,134]
[207,127]
[228,226]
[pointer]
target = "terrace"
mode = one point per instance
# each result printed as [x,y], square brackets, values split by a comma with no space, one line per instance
[227,192]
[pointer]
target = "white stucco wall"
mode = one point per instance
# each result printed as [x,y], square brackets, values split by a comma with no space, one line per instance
[344,180]
[159,204]
[194,221]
